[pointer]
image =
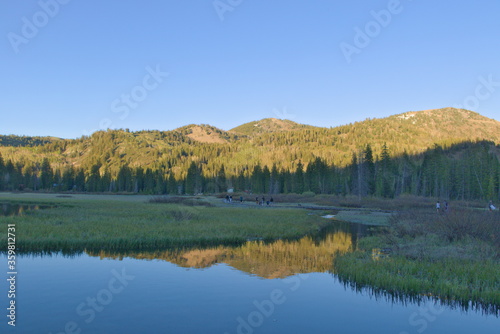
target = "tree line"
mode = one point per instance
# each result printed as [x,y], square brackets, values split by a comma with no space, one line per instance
[467,170]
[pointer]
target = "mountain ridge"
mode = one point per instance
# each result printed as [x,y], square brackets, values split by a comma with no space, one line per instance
[441,151]
[212,134]
[282,142]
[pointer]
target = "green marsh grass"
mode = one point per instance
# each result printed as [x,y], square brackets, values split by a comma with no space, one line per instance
[466,283]
[84,223]
[454,257]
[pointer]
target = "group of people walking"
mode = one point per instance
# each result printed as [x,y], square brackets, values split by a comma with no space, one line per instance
[268,202]
[229,199]
[445,207]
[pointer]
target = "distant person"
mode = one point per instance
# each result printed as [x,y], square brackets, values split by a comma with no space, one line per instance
[257,200]
[438,207]
[445,206]
[267,203]
[230,199]
[272,200]
[227,198]
[241,199]
[491,206]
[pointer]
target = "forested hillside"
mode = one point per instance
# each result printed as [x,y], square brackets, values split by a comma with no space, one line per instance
[267,125]
[12,140]
[444,152]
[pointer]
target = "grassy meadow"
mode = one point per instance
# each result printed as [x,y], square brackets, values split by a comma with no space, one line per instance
[116,222]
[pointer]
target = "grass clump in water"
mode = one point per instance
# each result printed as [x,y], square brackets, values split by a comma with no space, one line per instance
[454,257]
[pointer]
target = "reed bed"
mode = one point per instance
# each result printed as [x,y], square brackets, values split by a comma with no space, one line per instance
[467,284]
[454,257]
[79,224]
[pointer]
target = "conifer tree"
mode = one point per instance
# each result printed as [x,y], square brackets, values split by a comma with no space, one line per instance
[2,171]
[193,183]
[46,175]
[171,184]
[298,186]
[80,180]
[220,180]
[266,180]
[93,179]
[257,180]
[369,170]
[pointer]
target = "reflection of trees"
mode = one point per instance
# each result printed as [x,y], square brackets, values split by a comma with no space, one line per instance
[17,209]
[268,260]
[285,258]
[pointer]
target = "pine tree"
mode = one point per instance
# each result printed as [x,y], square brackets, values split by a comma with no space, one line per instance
[384,175]
[138,180]
[124,180]
[68,178]
[193,182]
[171,185]
[369,170]
[257,180]
[80,180]
[160,183]
[353,185]
[274,181]
[93,179]
[241,182]
[2,172]
[149,182]
[298,185]
[46,175]
[266,180]
[105,182]
[220,180]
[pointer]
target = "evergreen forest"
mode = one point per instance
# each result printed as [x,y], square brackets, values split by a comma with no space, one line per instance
[446,153]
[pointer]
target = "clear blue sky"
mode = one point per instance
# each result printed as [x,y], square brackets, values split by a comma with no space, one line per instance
[72,73]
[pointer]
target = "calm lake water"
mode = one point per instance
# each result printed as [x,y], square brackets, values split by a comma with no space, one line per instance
[281,287]
[7,209]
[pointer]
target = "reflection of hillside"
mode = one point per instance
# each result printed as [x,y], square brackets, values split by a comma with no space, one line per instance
[268,260]
[285,258]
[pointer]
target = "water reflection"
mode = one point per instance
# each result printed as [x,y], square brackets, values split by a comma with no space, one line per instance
[406,299]
[7,209]
[278,259]
[284,258]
